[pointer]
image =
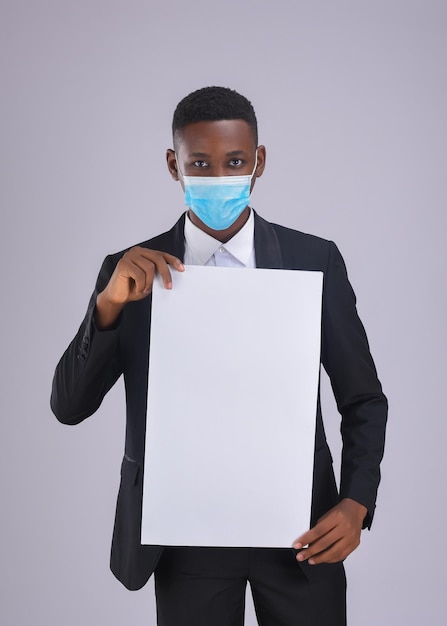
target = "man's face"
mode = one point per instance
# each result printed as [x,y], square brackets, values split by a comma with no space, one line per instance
[222,148]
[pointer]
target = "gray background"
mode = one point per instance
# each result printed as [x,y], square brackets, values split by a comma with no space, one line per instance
[351,101]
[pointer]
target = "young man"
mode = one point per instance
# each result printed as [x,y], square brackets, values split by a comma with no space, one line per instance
[215,136]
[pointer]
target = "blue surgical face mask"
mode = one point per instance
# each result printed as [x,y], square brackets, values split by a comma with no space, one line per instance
[217,200]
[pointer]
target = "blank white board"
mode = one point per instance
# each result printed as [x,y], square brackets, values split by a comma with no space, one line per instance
[232,394]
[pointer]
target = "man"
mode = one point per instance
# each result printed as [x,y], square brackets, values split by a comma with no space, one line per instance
[217,159]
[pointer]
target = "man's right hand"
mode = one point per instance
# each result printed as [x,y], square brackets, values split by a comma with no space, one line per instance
[132,280]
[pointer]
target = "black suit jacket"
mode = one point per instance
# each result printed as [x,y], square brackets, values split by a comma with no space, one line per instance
[94,361]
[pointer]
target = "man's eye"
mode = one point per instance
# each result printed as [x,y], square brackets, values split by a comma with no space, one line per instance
[200,164]
[236,162]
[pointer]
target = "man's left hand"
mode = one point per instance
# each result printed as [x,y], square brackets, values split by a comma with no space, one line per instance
[334,536]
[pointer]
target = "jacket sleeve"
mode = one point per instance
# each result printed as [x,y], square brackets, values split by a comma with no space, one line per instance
[90,366]
[347,360]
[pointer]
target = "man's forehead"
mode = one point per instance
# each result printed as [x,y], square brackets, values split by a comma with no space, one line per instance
[229,135]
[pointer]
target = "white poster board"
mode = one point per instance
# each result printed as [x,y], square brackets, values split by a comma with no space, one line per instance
[233,382]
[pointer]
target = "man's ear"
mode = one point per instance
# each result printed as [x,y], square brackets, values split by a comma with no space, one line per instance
[261,161]
[172,163]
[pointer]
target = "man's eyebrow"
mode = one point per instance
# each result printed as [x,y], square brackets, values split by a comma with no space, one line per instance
[205,155]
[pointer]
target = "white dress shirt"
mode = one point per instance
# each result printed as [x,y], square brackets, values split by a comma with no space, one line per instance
[202,249]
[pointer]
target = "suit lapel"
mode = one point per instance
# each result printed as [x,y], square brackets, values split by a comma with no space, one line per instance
[178,238]
[267,248]
[172,241]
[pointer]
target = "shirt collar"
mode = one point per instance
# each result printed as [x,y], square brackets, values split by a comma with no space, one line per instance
[204,246]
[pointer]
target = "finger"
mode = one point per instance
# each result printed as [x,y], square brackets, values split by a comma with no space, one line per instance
[175,262]
[333,547]
[323,526]
[168,258]
[141,276]
[149,270]
[163,270]
[151,262]
[336,553]
[339,551]
[320,545]
[161,261]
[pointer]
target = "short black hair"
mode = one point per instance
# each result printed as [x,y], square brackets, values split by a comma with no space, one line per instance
[212,104]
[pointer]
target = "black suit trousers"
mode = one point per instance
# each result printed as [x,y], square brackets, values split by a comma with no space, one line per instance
[206,587]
